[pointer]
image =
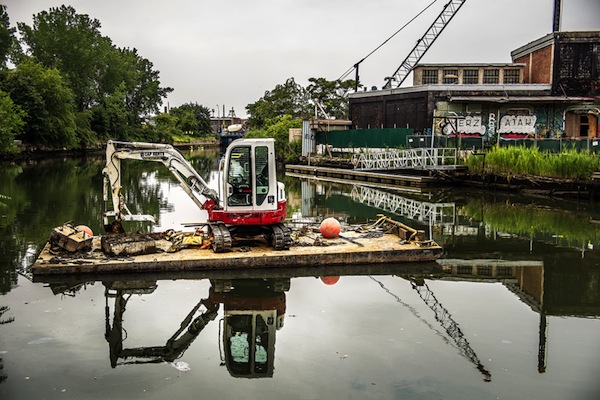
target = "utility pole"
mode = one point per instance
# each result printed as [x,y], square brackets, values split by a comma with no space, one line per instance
[556,19]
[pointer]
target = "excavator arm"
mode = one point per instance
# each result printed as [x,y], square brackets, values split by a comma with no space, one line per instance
[176,345]
[188,178]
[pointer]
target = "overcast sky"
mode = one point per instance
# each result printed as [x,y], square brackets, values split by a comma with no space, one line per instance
[229,52]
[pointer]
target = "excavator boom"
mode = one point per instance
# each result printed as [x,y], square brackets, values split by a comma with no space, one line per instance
[187,176]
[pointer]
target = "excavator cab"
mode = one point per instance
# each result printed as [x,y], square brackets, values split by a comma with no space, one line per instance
[249,342]
[254,310]
[248,178]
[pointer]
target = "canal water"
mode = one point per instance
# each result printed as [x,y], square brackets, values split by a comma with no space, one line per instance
[512,312]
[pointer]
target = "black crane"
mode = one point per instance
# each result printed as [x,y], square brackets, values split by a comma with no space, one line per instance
[424,43]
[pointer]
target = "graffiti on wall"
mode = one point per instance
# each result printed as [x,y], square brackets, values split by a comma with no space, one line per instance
[469,125]
[491,125]
[519,124]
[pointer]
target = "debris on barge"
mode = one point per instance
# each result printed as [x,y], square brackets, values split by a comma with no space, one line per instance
[381,242]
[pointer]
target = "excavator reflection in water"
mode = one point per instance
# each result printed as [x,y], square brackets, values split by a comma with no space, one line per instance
[254,310]
[254,307]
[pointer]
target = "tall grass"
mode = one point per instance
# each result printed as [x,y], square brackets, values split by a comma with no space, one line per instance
[522,161]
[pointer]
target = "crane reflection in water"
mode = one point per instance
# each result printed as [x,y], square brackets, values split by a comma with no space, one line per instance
[253,309]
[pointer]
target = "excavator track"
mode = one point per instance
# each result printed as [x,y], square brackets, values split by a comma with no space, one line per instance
[281,238]
[221,238]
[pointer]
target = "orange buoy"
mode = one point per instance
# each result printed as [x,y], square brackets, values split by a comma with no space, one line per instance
[330,280]
[85,229]
[330,228]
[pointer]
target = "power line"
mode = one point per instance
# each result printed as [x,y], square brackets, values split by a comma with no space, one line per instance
[385,41]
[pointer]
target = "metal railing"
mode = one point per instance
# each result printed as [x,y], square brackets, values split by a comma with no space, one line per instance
[416,158]
[433,213]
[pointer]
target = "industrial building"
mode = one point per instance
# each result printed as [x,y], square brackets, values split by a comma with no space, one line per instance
[551,89]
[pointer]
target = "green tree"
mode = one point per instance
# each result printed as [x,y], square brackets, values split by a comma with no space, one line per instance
[11,116]
[330,95]
[7,37]
[289,98]
[143,91]
[193,117]
[85,134]
[110,117]
[278,128]
[70,42]
[48,102]
[166,124]
[99,74]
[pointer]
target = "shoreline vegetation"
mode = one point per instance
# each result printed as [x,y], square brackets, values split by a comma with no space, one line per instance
[523,161]
[28,152]
[569,174]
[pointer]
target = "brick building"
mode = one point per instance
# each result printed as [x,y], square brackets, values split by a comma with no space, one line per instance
[551,89]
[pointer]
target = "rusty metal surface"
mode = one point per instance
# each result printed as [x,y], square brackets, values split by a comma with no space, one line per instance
[70,239]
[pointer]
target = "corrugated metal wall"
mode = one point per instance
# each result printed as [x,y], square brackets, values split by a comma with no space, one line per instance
[308,139]
[410,110]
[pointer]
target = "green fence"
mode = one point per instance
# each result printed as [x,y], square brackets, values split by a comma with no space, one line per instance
[404,138]
[371,138]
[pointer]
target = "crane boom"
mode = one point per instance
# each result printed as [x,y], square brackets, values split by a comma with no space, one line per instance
[423,44]
[443,316]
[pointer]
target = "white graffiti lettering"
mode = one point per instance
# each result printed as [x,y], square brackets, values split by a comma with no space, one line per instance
[469,124]
[517,124]
[491,125]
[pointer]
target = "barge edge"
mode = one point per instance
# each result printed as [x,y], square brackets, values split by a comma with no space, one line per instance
[383,251]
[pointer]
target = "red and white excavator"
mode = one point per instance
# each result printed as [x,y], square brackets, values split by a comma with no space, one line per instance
[249,200]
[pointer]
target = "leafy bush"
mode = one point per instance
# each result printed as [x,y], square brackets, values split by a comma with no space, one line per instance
[11,116]
[278,128]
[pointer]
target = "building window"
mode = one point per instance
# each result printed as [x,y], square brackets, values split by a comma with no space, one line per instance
[450,76]
[484,270]
[491,76]
[512,76]
[430,76]
[578,124]
[464,270]
[504,271]
[584,126]
[470,76]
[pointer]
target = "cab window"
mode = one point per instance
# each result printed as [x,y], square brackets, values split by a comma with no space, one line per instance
[239,177]
[261,162]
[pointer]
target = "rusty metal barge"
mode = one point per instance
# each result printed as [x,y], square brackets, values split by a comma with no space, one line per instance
[383,242]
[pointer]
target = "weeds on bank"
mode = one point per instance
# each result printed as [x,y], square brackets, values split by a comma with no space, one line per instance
[522,161]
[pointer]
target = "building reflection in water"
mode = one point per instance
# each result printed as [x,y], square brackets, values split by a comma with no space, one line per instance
[253,307]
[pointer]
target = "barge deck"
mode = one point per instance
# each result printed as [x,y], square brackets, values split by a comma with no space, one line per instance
[346,250]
